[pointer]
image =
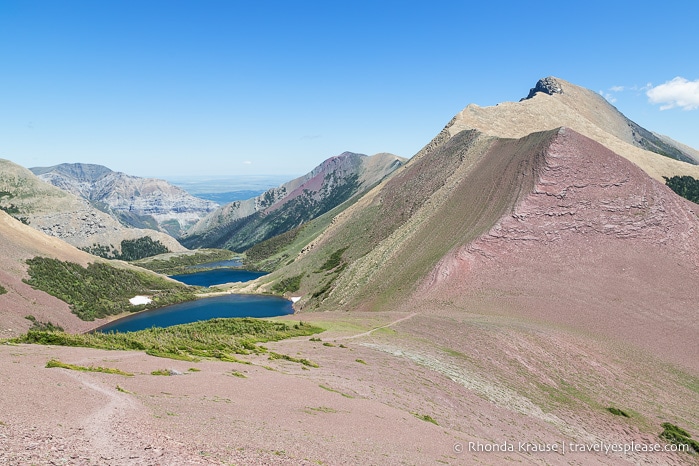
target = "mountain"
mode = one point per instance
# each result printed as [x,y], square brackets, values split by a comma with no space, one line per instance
[61,214]
[241,224]
[525,281]
[526,275]
[136,202]
[520,225]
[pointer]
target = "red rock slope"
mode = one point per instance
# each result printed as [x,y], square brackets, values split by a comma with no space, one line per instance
[597,246]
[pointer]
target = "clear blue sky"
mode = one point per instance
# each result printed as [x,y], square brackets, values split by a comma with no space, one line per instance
[163,88]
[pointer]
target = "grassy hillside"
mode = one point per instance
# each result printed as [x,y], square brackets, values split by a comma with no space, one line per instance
[260,226]
[99,289]
[382,248]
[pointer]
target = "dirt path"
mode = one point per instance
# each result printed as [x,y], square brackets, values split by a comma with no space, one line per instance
[101,426]
[390,324]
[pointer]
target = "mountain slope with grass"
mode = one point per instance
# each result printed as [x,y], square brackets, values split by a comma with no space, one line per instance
[380,253]
[21,245]
[137,202]
[242,224]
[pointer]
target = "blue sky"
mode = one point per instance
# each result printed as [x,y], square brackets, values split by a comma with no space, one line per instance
[166,88]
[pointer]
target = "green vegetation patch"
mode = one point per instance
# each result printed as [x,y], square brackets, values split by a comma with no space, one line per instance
[10,208]
[100,289]
[334,260]
[678,436]
[618,412]
[131,249]
[305,362]
[2,290]
[290,285]
[180,263]
[426,418]
[268,248]
[215,338]
[106,370]
[325,387]
[685,186]
[47,326]
[164,372]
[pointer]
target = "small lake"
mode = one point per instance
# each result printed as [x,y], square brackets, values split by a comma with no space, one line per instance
[232,305]
[217,277]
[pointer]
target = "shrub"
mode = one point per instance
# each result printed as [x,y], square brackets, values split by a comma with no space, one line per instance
[106,370]
[44,326]
[333,261]
[215,338]
[617,412]
[685,186]
[180,263]
[131,249]
[678,436]
[291,285]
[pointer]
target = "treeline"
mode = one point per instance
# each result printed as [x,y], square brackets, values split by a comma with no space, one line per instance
[685,186]
[100,289]
[131,249]
[179,263]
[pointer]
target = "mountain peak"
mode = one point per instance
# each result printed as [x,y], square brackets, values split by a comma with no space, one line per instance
[548,85]
[81,171]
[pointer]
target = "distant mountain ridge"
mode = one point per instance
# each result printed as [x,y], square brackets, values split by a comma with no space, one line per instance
[64,215]
[137,202]
[242,224]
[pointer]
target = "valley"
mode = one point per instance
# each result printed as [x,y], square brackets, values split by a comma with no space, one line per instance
[526,278]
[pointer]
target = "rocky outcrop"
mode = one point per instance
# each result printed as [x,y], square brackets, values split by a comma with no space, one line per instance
[549,85]
[554,103]
[134,201]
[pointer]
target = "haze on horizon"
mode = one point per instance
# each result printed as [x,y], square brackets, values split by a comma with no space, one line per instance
[229,88]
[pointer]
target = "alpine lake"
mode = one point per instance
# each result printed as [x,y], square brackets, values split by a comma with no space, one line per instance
[229,305]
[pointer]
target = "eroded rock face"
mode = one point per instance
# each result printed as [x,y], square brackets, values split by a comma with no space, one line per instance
[137,202]
[62,214]
[586,192]
[548,85]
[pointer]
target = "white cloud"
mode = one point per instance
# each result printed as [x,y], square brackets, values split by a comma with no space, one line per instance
[247,162]
[617,88]
[678,92]
[610,97]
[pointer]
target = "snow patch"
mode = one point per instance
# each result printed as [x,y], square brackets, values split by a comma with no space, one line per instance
[136,300]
